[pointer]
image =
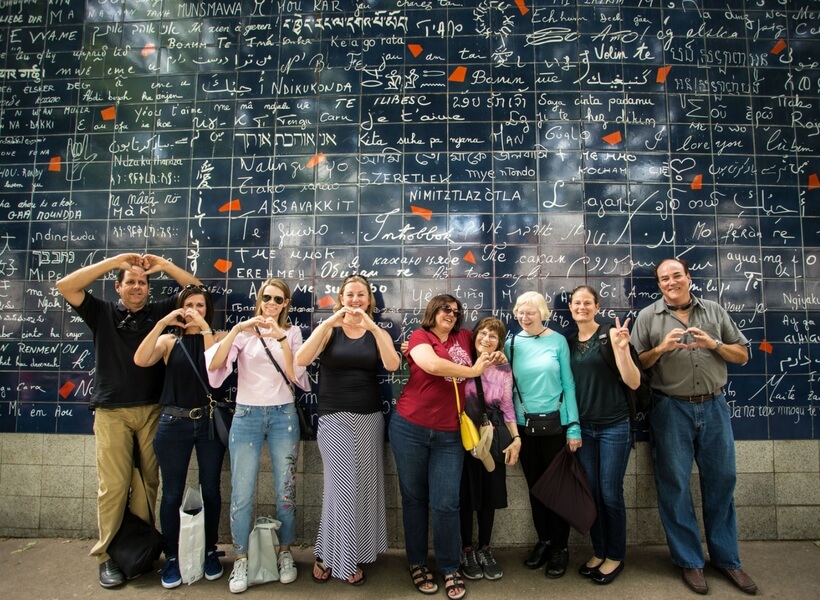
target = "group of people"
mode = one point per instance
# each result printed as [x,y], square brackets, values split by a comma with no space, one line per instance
[682,341]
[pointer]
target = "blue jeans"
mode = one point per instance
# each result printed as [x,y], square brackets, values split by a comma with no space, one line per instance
[176,438]
[681,432]
[429,465]
[252,427]
[604,455]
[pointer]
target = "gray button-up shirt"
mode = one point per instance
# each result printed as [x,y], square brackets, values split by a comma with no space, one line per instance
[686,372]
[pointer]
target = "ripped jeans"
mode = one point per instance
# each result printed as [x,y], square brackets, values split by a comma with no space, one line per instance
[252,427]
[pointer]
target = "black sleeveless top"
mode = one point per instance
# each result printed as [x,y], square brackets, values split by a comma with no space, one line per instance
[348,371]
[182,387]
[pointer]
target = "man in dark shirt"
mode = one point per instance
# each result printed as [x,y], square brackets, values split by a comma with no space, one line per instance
[125,396]
[685,342]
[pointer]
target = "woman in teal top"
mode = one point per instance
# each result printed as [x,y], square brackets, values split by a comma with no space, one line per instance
[543,383]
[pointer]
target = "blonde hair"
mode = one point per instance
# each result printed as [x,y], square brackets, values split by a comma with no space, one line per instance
[535,300]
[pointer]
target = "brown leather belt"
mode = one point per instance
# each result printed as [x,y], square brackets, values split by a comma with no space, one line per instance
[697,399]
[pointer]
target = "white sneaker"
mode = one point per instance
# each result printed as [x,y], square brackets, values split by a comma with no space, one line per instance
[239,576]
[287,568]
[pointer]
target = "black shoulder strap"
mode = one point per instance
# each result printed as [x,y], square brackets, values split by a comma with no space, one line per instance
[275,364]
[606,349]
[196,370]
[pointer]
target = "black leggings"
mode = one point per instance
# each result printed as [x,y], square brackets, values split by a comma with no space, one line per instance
[486,517]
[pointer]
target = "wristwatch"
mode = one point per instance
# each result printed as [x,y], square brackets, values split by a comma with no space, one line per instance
[718,345]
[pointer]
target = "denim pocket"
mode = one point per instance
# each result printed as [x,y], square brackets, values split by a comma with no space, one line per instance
[289,409]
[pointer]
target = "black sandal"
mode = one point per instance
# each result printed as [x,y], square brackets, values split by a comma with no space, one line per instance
[422,576]
[454,586]
[326,572]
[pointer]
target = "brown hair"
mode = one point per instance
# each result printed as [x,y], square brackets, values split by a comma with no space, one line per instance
[428,321]
[494,325]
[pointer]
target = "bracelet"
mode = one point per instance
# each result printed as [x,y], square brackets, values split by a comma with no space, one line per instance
[282,339]
[516,437]
[206,332]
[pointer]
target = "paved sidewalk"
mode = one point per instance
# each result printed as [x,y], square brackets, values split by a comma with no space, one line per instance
[46,569]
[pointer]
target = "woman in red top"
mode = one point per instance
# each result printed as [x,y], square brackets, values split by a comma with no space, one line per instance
[426,442]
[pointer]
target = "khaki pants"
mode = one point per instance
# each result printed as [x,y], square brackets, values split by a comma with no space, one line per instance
[114,431]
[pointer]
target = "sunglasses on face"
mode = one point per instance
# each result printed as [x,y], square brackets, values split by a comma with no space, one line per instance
[268,298]
[449,309]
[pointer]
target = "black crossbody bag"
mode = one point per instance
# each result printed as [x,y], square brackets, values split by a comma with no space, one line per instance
[536,424]
[306,431]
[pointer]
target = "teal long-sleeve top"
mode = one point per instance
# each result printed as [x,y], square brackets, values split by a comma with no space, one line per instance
[543,372]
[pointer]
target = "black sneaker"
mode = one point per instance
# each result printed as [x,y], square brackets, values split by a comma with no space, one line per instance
[489,565]
[557,564]
[110,574]
[469,564]
[538,556]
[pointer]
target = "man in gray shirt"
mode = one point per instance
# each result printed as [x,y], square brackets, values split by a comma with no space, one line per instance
[684,343]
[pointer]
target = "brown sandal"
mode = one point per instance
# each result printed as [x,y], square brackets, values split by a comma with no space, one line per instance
[423,577]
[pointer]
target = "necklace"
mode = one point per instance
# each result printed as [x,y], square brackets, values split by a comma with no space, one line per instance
[686,306]
[583,347]
[536,335]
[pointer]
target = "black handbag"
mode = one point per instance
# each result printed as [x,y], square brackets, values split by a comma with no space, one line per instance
[137,545]
[501,435]
[564,489]
[306,431]
[543,424]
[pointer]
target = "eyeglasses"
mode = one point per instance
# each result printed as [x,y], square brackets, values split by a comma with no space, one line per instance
[447,309]
[268,298]
[129,323]
[489,336]
[195,286]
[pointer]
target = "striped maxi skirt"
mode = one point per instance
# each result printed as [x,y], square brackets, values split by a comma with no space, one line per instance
[353,528]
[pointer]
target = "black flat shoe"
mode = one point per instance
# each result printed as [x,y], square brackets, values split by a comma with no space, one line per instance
[585,571]
[539,555]
[602,579]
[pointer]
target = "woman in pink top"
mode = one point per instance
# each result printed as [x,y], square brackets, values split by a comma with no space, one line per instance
[265,413]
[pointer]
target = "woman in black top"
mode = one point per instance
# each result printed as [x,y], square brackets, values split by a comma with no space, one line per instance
[352,349]
[184,423]
[604,413]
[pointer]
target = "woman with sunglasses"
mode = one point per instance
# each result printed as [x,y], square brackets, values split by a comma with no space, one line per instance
[265,413]
[424,435]
[540,363]
[606,431]
[184,424]
[351,349]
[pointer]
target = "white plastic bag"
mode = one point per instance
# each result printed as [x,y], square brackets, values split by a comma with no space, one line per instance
[191,553]
[263,566]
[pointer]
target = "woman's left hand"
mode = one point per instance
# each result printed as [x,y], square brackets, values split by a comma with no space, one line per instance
[574,444]
[620,334]
[511,452]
